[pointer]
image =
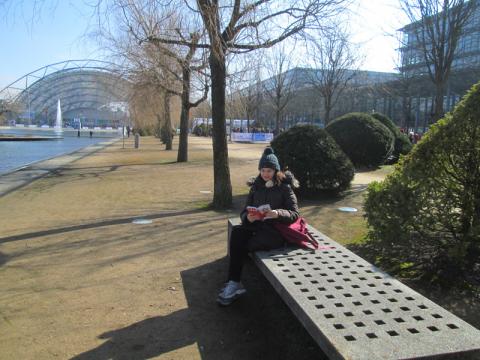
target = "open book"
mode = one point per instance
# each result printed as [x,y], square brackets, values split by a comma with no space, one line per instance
[259,212]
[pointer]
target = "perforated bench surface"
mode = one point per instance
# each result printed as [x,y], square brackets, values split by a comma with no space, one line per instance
[356,311]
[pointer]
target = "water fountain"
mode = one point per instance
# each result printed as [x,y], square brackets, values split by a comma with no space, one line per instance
[59,123]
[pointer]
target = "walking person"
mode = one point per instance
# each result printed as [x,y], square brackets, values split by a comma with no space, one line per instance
[271,189]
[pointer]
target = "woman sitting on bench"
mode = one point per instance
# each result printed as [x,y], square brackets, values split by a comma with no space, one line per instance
[270,199]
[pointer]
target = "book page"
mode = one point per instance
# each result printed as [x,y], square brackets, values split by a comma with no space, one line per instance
[259,213]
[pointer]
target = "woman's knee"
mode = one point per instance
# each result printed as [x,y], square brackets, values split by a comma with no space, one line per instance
[265,242]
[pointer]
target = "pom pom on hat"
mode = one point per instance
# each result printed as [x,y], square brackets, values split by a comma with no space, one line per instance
[269,160]
[267,151]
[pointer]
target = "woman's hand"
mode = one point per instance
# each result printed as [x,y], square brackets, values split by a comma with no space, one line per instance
[272,214]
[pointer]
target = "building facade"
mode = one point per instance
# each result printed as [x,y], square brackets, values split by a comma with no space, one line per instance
[418,88]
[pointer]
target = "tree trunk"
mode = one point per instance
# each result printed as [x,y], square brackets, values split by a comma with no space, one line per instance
[159,127]
[438,107]
[183,142]
[222,187]
[407,109]
[168,122]
[277,123]
[328,109]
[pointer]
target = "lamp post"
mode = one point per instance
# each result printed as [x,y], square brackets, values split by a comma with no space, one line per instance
[123,132]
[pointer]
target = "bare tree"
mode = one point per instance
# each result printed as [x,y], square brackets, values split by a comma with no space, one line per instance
[240,26]
[188,65]
[150,91]
[146,107]
[204,110]
[146,67]
[335,63]
[251,96]
[435,29]
[249,91]
[233,84]
[168,65]
[280,85]
[244,88]
[233,102]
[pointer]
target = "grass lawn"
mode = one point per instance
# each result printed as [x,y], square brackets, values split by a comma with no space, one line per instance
[80,280]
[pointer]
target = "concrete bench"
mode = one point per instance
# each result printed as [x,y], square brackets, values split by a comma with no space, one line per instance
[353,310]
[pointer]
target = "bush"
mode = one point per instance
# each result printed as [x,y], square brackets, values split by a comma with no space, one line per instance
[314,158]
[385,120]
[200,130]
[145,131]
[427,212]
[402,144]
[364,139]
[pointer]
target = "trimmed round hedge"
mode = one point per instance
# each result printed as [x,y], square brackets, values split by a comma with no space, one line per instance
[314,158]
[402,145]
[365,140]
[385,120]
[424,217]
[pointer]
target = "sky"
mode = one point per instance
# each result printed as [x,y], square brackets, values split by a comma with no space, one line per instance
[32,39]
[374,26]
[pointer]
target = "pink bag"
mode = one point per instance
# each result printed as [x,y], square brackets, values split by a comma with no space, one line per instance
[297,233]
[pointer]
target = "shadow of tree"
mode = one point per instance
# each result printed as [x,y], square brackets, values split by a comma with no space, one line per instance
[145,339]
[366,250]
[3,258]
[98,224]
[258,326]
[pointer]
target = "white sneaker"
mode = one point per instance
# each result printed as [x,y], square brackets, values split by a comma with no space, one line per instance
[232,291]
[222,289]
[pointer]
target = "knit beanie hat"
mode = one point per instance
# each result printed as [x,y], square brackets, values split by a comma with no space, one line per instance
[269,160]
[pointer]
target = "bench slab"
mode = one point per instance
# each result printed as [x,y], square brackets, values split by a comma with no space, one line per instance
[353,310]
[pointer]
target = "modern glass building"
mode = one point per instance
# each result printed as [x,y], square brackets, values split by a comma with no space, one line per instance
[91,93]
[465,69]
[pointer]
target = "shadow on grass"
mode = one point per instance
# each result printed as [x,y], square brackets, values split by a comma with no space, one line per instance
[365,249]
[98,224]
[69,174]
[3,258]
[258,326]
[108,168]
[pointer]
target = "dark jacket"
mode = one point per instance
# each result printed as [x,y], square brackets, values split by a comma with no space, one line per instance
[280,197]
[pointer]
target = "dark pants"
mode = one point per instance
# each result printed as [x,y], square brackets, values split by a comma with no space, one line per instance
[245,239]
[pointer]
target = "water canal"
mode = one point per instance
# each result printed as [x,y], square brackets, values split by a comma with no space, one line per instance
[16,154]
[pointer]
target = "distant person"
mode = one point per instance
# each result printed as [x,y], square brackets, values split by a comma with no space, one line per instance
[128,131]
[417,137]
[411,137]
[78,133]
[91,134]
